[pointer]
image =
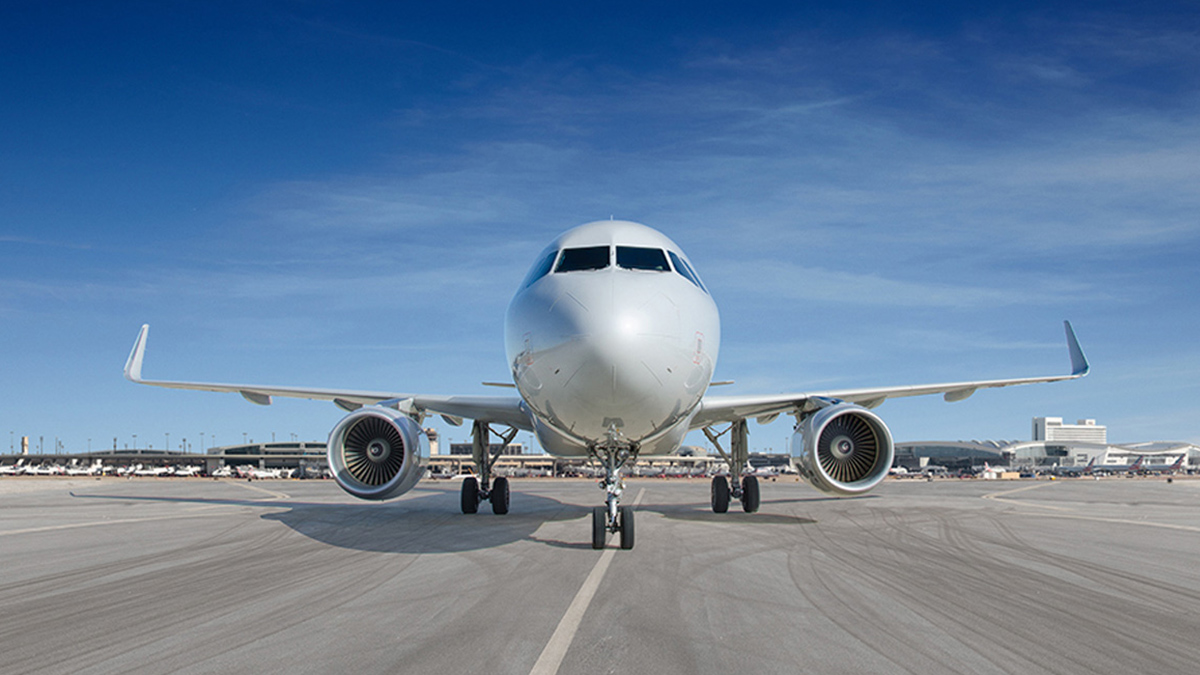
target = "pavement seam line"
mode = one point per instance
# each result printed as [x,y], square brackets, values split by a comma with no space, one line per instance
[554,651]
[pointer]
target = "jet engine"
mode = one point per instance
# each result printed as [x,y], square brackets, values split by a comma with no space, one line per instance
[377,453]
[843,449]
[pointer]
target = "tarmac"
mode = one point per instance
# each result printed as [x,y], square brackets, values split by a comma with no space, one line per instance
[224,576]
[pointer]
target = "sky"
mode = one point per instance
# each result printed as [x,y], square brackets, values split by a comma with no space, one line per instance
[348,194]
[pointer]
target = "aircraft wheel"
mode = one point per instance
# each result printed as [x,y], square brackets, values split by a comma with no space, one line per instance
[626,527]
[500,496]
[470,495]
[750,498]
[720,494]
[599,527]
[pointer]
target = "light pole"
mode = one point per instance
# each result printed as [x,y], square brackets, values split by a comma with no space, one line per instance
[202,441]
[167,447]
[135,441]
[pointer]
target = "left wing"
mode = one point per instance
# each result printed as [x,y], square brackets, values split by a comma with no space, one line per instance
[717,409]
[509,410]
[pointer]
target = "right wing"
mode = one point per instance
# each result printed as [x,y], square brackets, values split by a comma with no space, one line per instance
[719,409]
[509,410]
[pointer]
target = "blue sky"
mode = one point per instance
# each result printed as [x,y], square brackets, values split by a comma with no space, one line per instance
[309,193]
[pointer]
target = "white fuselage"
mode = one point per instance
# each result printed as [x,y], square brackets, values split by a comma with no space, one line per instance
[612,352]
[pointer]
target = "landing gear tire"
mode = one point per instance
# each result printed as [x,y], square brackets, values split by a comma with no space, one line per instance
[720,494]
[626,527]
[499,496]
[750,498]
[470,495]
[599,527]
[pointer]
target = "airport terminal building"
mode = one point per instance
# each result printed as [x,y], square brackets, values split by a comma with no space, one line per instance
[1053,444]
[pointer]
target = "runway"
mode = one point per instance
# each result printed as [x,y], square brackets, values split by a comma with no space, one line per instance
[208,576]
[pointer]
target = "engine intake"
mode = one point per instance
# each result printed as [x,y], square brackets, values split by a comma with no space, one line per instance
[843,449]
[377,453]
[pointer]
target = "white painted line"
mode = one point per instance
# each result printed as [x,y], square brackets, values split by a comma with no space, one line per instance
[71,526]
[560,641]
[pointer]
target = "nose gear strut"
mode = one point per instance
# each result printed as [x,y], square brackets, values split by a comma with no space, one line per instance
[613,455]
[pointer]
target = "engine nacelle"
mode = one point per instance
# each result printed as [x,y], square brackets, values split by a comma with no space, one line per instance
[843,449]
[377,453]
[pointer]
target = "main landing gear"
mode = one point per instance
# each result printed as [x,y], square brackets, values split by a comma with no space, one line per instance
[743,488]
[612,517]
[484,455]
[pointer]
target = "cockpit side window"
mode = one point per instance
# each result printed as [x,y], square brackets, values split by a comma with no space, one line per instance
[540,269]
[633,258]
[685,270]
[580,259]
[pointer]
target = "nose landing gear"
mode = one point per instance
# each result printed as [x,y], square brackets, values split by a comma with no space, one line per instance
[612,517]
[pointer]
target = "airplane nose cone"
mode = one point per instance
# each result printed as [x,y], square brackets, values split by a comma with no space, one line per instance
[610,363]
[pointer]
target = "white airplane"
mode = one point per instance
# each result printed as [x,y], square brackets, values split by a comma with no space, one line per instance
[612,339]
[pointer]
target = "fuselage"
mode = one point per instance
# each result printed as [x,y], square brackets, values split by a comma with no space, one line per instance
[612,340]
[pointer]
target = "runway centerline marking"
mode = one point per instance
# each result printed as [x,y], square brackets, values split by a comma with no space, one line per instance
[552,655]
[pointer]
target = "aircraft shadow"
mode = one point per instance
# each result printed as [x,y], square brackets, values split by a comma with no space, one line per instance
[703,513]
[421,523]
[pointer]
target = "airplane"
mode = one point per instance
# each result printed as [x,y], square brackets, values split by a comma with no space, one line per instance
[611,339]
[1171,469]
[1122,468]
[1077,470]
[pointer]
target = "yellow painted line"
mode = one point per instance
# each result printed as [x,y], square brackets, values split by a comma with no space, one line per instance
[250,486]
[1001,497]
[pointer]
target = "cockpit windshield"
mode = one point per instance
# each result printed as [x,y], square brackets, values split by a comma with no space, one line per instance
[580,259]
[632,258]
[685,270]
[540,269]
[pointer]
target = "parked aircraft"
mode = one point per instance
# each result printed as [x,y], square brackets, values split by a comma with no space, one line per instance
[1077,470]
[1165,468]
[1122,468]
[611,339]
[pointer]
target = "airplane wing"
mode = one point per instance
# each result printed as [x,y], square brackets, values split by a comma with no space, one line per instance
[718,409]
[509,410]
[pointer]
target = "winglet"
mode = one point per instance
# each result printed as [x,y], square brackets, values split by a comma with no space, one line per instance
[1079,362]
[133,367]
